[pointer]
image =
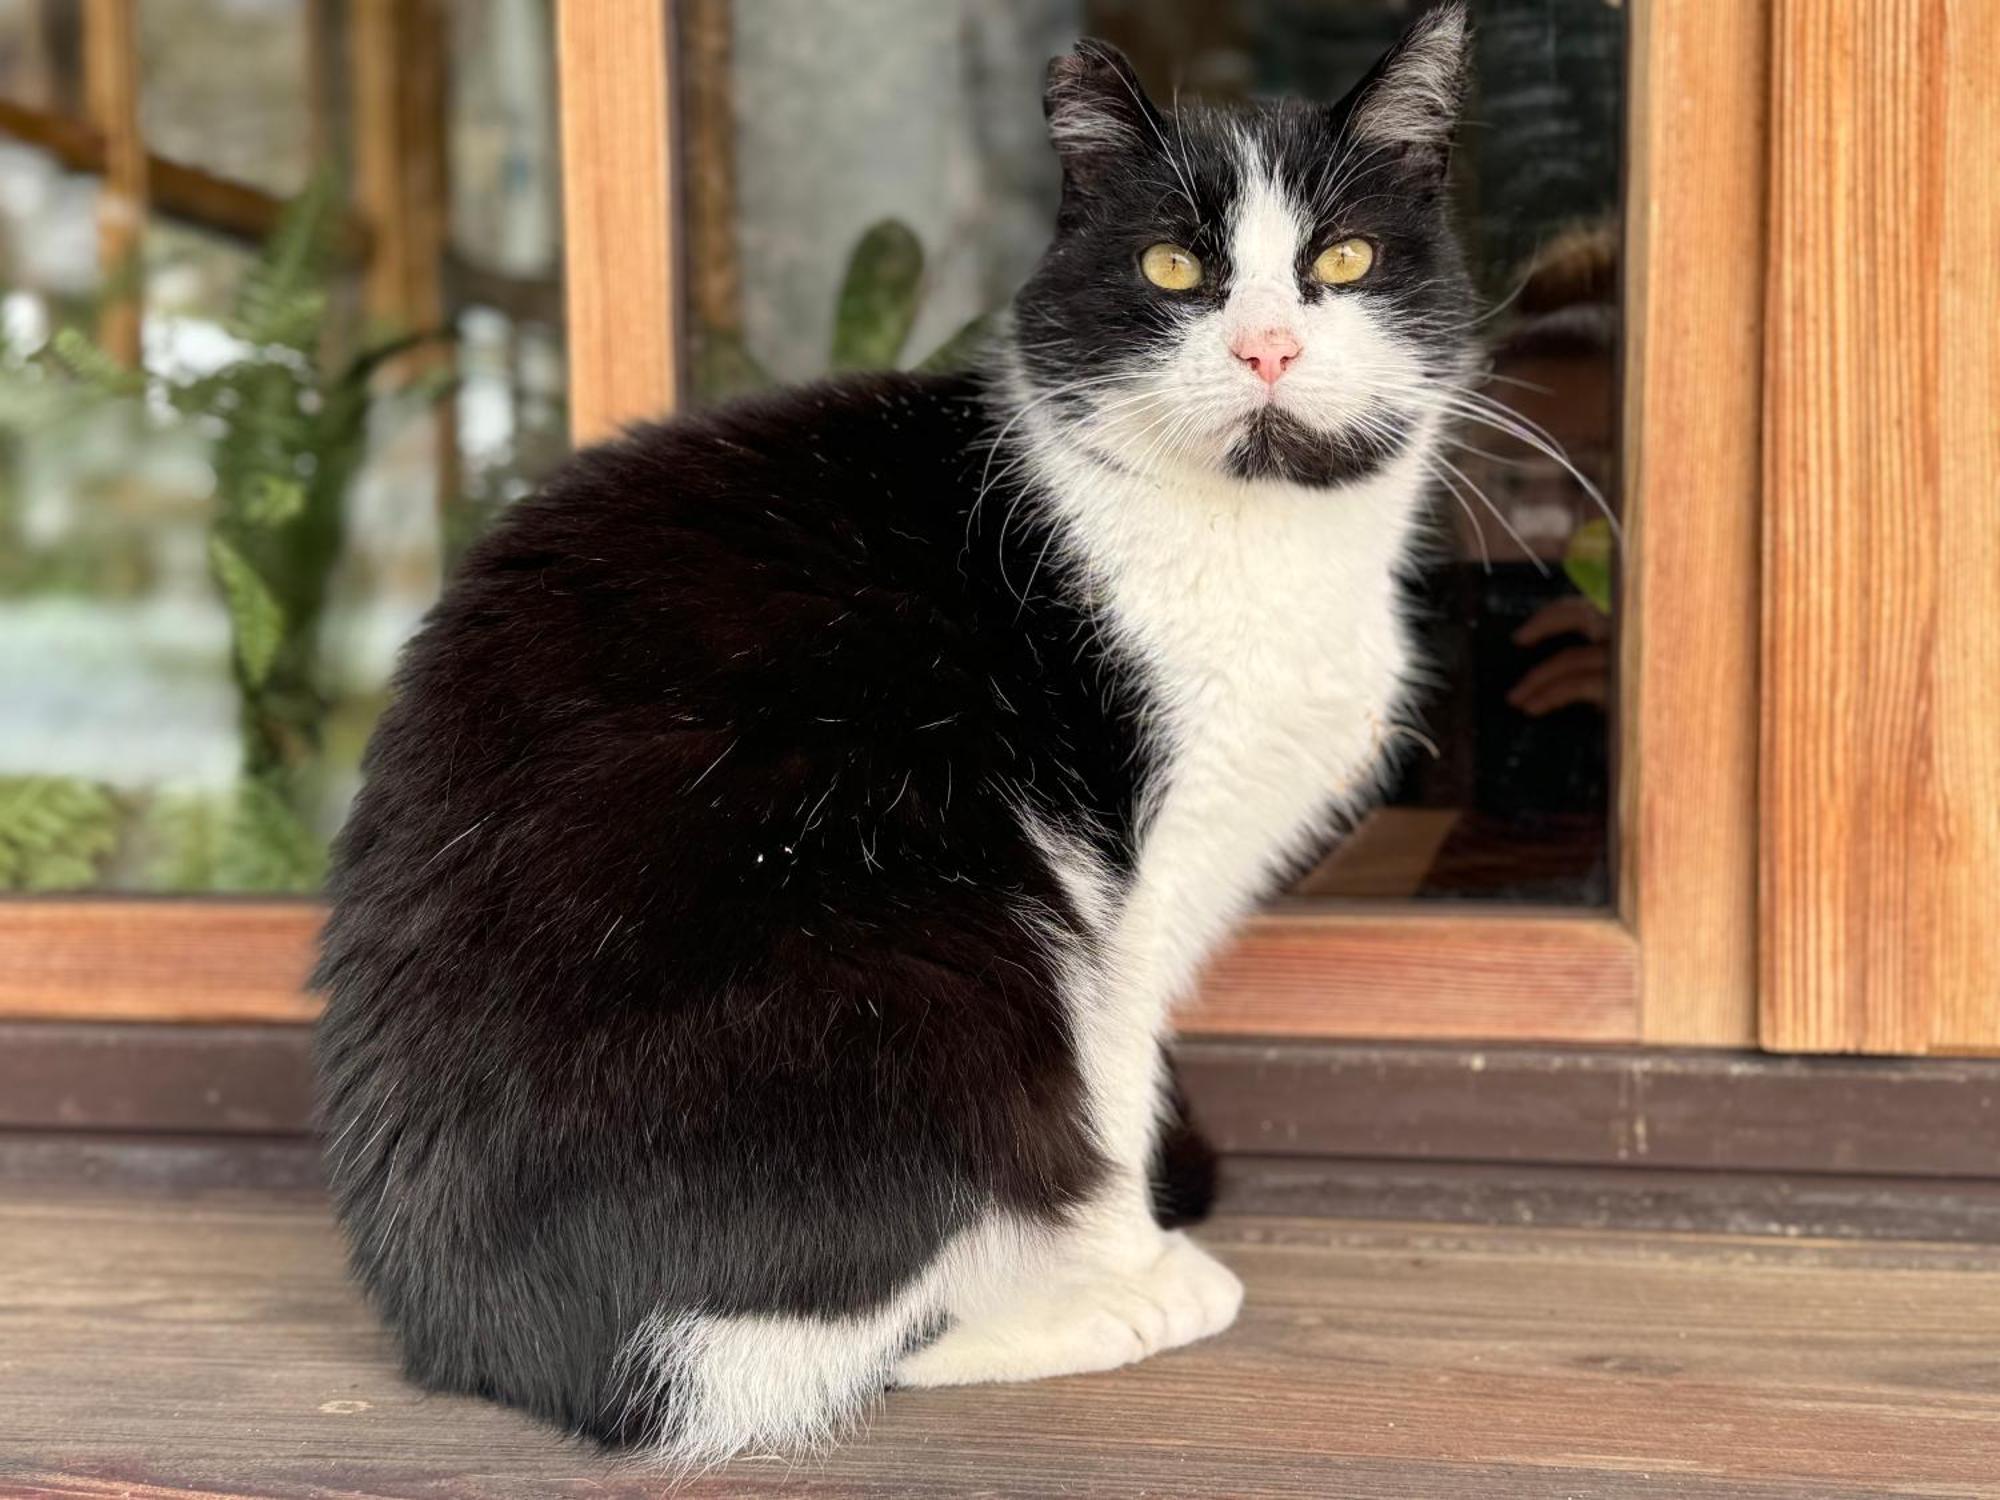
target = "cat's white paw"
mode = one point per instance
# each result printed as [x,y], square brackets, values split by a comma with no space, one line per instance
[1093,1321]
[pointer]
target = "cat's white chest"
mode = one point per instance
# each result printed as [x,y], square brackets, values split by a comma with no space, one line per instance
[1266,622]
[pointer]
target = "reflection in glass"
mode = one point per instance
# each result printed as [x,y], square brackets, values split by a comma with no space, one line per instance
[934,187]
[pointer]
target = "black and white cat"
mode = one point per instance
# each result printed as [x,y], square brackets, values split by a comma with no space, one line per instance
[753,947]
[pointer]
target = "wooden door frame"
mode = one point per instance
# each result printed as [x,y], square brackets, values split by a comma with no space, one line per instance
[1675,961]
[1881,808]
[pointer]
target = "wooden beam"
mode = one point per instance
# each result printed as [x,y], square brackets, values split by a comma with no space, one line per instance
[177,191]
[1881,830]
[111,89]
[113,959]
[613,65]
[1687,733]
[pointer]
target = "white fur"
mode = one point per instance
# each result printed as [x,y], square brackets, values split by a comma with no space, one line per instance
[785,1384]
[1081,1318]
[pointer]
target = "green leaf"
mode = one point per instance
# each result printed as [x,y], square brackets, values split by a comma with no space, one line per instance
[266,846]
[56,832]
[878,299]
[255,618]
[960,350]
[1587,562]
[84,358]
[272,500]
[246,839]
[183,834]
[724,367]
[283,299]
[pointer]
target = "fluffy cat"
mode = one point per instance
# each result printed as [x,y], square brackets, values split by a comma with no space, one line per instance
[753,947]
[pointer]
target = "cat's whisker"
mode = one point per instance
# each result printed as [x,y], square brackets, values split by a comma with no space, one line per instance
[1470,406]
[1472,516]
[1497,514]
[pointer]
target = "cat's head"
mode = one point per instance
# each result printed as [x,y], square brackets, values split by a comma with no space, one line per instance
[1274,292]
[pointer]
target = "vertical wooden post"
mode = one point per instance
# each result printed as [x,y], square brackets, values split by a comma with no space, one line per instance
[613,60]
[111,91]
[1687,774]
[714,271]
[397,60]
[1881,730]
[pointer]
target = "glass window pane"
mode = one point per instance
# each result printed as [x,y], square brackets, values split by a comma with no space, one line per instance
[206,572]
[1502,791]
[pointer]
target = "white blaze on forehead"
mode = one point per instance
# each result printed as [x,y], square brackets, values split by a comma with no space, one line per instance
[1266,234]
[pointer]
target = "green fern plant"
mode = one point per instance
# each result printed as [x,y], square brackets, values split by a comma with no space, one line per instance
[56,832]
[290,422]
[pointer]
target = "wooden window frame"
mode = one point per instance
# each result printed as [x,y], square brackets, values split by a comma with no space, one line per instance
[1675,961]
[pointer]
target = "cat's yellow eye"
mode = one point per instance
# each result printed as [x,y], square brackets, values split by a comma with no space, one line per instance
[1171,267]
[1345,263]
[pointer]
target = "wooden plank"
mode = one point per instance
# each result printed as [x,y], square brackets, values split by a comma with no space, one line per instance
[114,959]
[1881,830]
[1949,1210]
[157,1162]
[1423,973]
[1941,1210]
[111,89]
[212,1345]
[613,66]
[109,1076]
[1597,1107]
[1316,973]
[1693,1110]
[1687,731]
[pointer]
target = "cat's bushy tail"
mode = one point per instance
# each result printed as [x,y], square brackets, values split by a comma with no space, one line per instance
[692,1390]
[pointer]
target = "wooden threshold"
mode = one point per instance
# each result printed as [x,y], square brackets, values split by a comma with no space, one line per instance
[1594,1107]
[1302,972]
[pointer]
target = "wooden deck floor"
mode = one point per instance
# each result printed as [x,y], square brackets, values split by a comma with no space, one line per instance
[158,1346]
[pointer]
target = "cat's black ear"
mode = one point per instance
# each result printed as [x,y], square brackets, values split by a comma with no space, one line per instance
[1410,101]
[1098,112]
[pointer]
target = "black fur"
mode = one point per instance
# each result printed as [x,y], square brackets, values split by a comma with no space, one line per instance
[1185,1168]
[687,951]
[1280,446]
[683,910]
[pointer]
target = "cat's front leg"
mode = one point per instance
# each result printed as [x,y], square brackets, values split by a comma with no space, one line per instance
[1110,1289]
[1092,1322]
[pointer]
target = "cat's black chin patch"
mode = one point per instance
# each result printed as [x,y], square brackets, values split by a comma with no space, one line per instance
[1277,445]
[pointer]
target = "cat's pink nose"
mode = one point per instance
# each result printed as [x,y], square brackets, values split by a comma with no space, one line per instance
[1269,352]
